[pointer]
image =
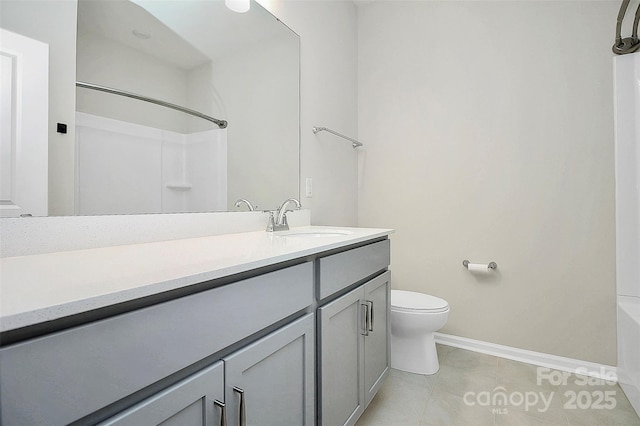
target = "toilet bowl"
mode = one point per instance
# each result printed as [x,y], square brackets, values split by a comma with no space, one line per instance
[415,317]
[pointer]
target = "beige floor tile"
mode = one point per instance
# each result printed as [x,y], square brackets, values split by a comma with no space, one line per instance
[526,418]
[400,401]
[525,377]
[459,381]
[542,400]
[595,402]
[580,383]
[552,413]
[443,351]
[444,408]
[471,361]
[512,417]
[614,417]
[508,368]
[439,399]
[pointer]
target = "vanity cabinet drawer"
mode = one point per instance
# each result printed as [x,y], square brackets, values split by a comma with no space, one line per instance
[62,377]
[340,270]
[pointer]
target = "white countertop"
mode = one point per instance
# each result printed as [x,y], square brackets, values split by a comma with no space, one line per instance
[44,287]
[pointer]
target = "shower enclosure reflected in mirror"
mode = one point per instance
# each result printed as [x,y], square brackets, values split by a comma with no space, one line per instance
[138,157]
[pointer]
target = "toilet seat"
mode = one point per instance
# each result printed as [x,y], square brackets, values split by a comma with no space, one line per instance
[411,301]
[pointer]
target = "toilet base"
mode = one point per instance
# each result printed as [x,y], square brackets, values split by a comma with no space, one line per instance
[414,355]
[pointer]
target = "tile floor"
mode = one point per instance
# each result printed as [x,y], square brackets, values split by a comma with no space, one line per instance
[465,388]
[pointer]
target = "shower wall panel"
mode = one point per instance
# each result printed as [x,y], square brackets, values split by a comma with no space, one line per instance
[125,168]
[627,147]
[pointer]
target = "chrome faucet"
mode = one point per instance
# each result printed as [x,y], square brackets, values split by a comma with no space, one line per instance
[279,223]
[241,201]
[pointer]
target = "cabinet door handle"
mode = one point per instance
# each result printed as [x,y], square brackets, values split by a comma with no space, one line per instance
[242,412]
[365,319]
[223,412]
[370,304]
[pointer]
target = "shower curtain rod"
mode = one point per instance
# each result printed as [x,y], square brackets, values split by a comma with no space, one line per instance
[221,123]
[354,142]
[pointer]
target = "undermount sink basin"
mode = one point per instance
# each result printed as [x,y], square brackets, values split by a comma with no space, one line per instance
[314,233]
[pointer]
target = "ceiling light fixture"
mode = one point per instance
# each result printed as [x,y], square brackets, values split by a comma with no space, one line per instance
[239,6]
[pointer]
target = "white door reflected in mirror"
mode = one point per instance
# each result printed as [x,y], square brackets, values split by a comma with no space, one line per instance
[24,106]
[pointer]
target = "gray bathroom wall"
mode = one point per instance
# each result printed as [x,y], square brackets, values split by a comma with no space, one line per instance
[489,132]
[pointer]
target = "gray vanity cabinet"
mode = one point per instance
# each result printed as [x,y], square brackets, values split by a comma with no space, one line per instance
[269,382]
[301,344]
[354,336]
[195,401]
[273,379]
[69,375]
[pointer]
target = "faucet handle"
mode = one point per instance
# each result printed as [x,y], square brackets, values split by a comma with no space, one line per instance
[272,223]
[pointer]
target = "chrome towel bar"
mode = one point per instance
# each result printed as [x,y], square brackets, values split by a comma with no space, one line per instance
[221,123]
[354,142]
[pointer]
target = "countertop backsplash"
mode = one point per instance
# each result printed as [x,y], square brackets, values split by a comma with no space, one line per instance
[38,235]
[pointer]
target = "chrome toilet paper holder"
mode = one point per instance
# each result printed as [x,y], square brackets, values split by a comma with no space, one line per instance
[491,265]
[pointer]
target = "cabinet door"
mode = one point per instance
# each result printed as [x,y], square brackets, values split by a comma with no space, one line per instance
[193,402]
[376,342]
[272,381]
[342,359]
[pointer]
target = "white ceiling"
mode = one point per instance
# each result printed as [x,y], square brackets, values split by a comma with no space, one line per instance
[186,33]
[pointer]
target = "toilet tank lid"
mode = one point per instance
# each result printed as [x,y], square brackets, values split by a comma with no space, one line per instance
[417,301]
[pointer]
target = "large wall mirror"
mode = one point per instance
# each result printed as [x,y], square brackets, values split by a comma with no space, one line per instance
[123,155]
[137,157]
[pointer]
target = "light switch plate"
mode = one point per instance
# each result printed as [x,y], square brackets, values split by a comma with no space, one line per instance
[308,187]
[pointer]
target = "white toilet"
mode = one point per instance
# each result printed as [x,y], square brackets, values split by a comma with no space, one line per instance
[414,319]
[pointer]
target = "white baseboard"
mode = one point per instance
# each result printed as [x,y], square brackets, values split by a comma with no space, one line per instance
[592,369]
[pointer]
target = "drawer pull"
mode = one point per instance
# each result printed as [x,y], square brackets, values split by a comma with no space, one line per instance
[370,305]
[223,412]
[242,412]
